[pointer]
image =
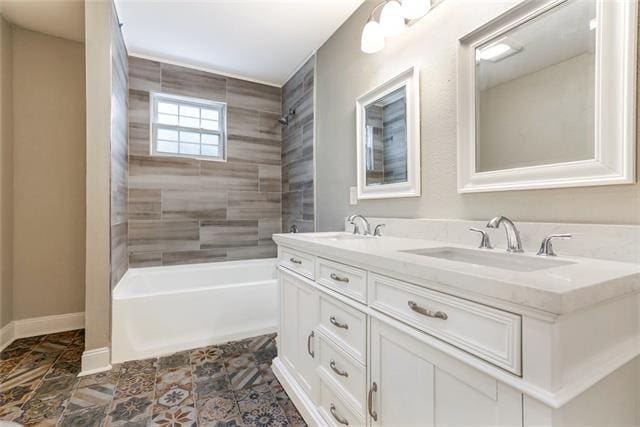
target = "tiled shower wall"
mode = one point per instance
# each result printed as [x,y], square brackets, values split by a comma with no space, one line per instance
[184,210]
[297,151]
[119,150]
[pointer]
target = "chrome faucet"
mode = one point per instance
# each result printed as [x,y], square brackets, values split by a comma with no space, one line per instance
[356,230]
[514,244]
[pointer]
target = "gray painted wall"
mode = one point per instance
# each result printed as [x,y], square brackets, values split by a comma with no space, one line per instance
[344,73]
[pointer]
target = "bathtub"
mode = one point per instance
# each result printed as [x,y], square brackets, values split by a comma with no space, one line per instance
[160,310]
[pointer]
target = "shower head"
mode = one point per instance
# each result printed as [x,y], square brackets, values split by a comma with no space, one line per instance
[284,121]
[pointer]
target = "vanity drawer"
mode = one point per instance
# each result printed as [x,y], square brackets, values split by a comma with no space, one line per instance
[297,261]
[333,409]
[349,281]
[344,372]
[491,334]
[345,325]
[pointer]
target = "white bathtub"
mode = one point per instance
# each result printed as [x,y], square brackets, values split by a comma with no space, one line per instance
[160,310]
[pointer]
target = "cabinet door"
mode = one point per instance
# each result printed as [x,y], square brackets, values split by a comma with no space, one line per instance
[308,300]
[417,385]
[298,320]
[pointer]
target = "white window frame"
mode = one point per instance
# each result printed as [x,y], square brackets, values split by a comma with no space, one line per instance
[221,107]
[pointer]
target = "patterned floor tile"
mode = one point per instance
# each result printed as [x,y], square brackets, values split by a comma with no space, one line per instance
[44,407]
[205,355]
[135,384]
[93,416]
[210,387]
[208,370]
[91,396]
[228,385]
[266,414]
[180,416]
[173,378]
[219,407]
[177,360]
[244,378]
[131,409]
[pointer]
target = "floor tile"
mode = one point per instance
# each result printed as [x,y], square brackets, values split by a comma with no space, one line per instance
[13,353]
[131,409]
[93,416]
[240,362]
[180,416]
[91,396]
[178,360]
[207,370]
[43,407]
[210,387]
[244,378]
[205,355]
[135,384]
[265,414]
[219,407]
[7,365]
[175,397]
[233,349]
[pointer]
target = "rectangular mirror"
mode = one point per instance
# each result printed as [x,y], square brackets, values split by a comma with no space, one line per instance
[547,97]
[388,139]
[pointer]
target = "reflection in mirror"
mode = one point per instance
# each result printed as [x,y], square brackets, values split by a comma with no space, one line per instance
[535,91]
[385,139]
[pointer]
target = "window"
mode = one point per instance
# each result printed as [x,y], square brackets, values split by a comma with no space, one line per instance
[188,127]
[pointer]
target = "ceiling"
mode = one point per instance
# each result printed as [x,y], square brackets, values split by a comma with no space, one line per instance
[261,40]
[60,18]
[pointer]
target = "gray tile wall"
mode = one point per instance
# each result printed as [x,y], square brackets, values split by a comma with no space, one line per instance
[119,154]
[297,151]
[184,211]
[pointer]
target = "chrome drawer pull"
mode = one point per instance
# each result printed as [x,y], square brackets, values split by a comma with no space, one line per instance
[337,324]
[338,371]
[295,261]
[374,388]
[337,416]
[337,278]
[421,310]
[311,352]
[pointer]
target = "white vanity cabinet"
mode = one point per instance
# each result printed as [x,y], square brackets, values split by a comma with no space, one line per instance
[297,338]
[360,346]
[417,385]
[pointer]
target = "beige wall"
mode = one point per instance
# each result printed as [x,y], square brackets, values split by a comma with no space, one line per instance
[344,73]
[98,38]
[49,171]
[6,175]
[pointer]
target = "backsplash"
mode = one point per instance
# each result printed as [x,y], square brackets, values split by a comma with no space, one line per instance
[610,242]
[297,151]
[184,210]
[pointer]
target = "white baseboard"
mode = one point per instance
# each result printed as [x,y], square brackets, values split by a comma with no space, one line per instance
[34,326]
[7,335]
[300,400]
[95,361]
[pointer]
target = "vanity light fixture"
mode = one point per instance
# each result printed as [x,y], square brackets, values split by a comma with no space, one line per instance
[394,16]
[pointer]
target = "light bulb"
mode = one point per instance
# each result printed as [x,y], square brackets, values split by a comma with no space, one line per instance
[372,38]
[391,18]
[414,9]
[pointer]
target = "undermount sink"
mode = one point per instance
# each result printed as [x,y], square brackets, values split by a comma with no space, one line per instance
[341,236]
[506,261]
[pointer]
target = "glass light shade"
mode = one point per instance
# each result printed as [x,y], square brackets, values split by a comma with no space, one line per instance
[372,38]
[391,18]
[414,9]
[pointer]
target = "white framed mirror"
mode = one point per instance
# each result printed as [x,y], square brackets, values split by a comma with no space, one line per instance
[388,138]
[546,97]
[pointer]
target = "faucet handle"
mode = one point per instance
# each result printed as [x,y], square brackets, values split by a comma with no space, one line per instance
[485,243]
[377,231]
[546,247]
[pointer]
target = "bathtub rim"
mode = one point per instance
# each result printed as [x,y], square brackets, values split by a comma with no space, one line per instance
[132,273]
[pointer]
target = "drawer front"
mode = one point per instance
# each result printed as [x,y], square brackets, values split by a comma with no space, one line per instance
[344,372]
[334,410]
[491,334]
[297,261]
[349,281]
[345,325]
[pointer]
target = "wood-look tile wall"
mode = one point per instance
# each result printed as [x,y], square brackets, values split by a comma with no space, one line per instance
[119,154]
[297,151]
[182,210]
